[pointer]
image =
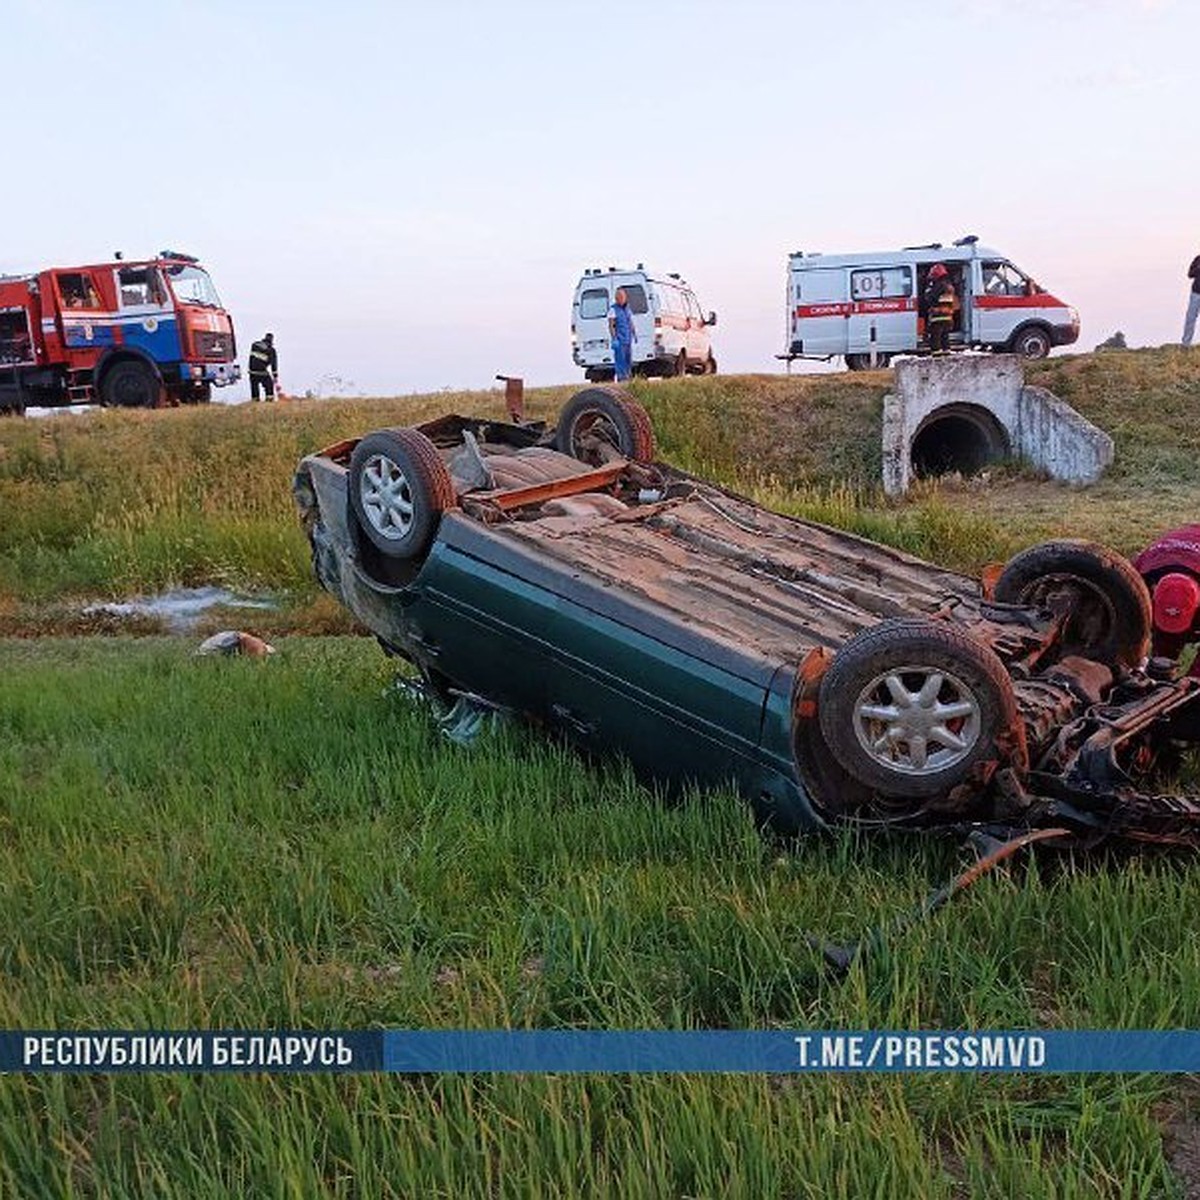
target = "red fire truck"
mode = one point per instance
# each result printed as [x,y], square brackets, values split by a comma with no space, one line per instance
[136,334]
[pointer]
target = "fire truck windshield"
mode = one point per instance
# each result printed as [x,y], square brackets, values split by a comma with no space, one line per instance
[192,285]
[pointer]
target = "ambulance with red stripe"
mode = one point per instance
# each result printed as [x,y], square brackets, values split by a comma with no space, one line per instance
[136,334]
[867,307]
[671,329]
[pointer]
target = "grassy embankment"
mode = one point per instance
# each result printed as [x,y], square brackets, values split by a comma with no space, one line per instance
[112,504]
[194,843]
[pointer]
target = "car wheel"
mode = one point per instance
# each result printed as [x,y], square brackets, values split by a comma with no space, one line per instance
[131,384]
[911,707]
[1105,602]
[681,364]
[1032,343]
[710,367]
[602,417]
[862,362]
[399,488]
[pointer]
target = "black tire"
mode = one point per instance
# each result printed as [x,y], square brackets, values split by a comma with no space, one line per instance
[610,415]
[1107,603]
[131,384]
[681,364]
[1031,343]
[862,362]
[710,366]
[393,470]
[865,722]
[12,403]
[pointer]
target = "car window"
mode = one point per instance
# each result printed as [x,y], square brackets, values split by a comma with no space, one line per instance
[593,303]
[1003,279]
[78,290]
[881,283]
[635,296]
[140,285]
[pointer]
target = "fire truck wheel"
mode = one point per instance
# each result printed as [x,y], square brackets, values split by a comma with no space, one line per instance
[1105,602]
[604,418]
[130,384]
[399,488]
[1032,342]
[911,707]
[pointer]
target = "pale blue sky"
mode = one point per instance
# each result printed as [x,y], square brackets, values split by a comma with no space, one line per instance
[407,193]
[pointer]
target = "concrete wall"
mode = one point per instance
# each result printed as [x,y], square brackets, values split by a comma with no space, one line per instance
[1040,428]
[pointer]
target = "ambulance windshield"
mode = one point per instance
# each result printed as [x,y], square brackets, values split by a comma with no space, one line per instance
[191,285]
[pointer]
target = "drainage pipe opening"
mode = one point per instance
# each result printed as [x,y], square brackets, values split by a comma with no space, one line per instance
[958,437]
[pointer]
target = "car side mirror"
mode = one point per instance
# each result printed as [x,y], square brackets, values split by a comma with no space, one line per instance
[712,319]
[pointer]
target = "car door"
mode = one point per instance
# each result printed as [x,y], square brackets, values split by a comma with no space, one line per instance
[697,331]
[1000,301]
[885,310]
[642,319]
[146,314]
[679,707]
[86,322]
[820,307]
[591,322]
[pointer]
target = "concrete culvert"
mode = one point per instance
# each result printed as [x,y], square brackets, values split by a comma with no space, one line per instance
[958,437]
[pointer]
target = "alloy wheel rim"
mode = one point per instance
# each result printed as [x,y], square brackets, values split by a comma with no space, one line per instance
[917,720]
[387,497]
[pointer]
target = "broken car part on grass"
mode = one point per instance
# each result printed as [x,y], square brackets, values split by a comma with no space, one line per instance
[641,611]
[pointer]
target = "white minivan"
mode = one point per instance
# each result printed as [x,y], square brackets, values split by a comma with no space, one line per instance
[671,329]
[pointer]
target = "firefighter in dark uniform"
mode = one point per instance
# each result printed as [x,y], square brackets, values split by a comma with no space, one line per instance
[264,367]
[940,302]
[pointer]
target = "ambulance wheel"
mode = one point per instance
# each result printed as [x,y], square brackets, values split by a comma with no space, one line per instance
[131,384]
[710,366]
[1032,342]
[681,364]
[399,488]
[862,362]
[1102,600]
[598,418]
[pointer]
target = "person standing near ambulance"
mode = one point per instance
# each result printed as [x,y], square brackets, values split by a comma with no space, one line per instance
[1193,308]
[940,302]
[264,367]
[623,335]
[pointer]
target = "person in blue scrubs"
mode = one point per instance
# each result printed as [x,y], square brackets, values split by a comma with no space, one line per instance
[623,335]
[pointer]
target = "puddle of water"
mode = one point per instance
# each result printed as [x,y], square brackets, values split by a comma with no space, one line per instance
[180,610]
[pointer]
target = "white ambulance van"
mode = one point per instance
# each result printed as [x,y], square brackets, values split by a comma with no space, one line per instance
[671,328]
[867,307]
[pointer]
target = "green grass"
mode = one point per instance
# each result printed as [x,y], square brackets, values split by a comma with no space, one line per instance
[195,843]
[116,503]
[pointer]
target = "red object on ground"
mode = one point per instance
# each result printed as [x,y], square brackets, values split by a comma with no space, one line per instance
[1176,602]
[1171,569]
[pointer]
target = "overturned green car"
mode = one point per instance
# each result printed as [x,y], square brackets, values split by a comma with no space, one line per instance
[565,574]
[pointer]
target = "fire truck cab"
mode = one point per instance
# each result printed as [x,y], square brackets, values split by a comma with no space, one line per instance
[134,334]
[868,307]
